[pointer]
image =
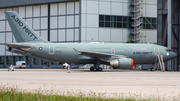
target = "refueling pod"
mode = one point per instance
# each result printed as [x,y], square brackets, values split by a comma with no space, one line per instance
[126,63]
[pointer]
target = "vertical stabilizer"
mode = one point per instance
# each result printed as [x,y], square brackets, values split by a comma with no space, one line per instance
[22,31]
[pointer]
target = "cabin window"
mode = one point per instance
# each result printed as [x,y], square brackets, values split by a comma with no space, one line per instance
[168,50]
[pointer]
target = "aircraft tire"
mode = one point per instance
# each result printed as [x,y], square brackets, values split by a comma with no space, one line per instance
[92,69]
[114,68]
[95,69]
[100,69]
[152,69]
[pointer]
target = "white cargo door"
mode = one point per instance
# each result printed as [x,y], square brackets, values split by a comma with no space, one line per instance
[156,51]
[51,49]
[113,51]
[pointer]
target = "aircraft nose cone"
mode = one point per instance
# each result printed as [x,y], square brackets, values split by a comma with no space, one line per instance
[173,55]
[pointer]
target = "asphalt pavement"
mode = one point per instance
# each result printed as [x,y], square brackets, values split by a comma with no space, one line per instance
[109,81]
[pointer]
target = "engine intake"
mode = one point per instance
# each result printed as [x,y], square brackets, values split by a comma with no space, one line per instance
[126,63]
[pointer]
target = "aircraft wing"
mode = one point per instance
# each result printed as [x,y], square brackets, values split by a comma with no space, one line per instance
[101,56]
[25,47]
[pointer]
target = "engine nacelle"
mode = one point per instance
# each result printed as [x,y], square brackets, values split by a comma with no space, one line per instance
[126,63]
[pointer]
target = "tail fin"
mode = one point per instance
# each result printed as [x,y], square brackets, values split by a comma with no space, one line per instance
[22,31]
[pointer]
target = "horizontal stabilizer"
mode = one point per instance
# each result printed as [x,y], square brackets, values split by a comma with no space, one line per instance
[25,47]
[30,55]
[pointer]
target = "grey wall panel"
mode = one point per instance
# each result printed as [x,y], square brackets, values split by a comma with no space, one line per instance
[22,2]
[39,1]
[59,0]
[11,3]
[4,3]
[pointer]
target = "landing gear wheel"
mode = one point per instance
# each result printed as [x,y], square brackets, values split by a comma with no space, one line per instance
[95,69]
[152,69]
[100,69]
[114,68]
[92,69]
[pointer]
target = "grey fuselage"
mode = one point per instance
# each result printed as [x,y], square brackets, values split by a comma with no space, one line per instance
[64,52]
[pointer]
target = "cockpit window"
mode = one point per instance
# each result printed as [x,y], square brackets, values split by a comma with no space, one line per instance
[168,50]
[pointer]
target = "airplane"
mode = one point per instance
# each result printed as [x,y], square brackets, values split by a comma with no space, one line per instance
[117,55]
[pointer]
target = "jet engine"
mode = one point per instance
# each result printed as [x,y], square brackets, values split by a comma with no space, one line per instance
[126,63]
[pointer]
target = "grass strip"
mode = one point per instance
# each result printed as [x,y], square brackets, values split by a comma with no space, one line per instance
[13,95]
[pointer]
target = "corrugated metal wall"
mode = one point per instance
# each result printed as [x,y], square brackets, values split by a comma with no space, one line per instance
[175,29]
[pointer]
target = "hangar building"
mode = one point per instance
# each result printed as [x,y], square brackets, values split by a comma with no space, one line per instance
[79,21]
[169,29]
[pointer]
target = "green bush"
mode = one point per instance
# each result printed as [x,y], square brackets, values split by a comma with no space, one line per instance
[128,41]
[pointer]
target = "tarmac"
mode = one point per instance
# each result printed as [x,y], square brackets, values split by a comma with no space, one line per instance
[147,83]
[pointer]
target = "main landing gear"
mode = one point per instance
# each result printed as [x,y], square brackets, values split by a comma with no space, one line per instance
[94,68]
